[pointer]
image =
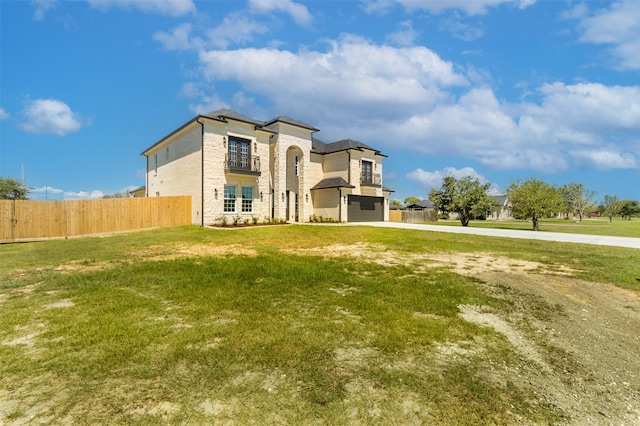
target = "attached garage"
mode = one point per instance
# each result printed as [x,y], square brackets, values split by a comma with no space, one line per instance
[365,209]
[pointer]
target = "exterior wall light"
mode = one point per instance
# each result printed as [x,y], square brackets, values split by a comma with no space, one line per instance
[307,197]
[261,197]
[215,193]
[224,141]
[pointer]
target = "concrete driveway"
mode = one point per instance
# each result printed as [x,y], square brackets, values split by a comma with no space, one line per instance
[512,233]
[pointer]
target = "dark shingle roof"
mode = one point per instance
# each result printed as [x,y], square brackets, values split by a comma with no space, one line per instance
[224,113]
[320,147]
[292,121]
[424,204]
[335,182]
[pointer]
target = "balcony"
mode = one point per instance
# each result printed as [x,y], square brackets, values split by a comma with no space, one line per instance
[371,179]
[242,164]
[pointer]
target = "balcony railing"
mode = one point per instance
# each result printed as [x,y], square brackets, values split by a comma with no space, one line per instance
[242,164]
[370,179]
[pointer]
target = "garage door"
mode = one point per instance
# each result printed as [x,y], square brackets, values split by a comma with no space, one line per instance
[365,209]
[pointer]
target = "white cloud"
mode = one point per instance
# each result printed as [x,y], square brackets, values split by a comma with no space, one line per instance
[50,116]
[606,160]
[4,115]
[178,39]
[470,7]
[409,98]
[162,7]
[434,179]
[83,195]
[45,193]
[41,7]
[236,29]
[352,80]
[298,12]
[405,35]
[618,26]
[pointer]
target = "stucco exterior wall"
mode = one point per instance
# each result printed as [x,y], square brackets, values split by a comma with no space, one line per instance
[326,203]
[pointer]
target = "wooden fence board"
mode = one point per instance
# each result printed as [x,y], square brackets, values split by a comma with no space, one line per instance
[408,216]
[24,220]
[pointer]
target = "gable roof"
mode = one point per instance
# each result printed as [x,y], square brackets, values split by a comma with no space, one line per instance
[499,200]
[291,121]
[224,113]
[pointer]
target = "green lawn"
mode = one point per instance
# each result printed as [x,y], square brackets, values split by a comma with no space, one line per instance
[590,226]
[170,326]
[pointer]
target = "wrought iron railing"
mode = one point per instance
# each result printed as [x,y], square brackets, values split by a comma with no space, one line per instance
[245,164]
[371,179]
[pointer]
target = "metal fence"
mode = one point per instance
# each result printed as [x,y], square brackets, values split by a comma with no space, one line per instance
[28,220]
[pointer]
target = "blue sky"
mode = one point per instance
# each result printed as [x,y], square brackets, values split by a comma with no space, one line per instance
[498,89]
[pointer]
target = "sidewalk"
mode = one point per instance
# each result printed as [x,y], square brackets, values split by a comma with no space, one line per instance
[600,240]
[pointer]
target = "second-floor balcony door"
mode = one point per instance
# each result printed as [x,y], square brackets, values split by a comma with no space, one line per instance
[239,153]
[367,172]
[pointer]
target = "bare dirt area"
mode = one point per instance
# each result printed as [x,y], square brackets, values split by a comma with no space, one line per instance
[579,341]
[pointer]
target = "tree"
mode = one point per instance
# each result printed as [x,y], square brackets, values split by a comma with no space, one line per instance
[629,208]
[411,200]
[466,196]
[534,199]
[611,206]
[396,203]
[577,199]
[12,189]
[442,198]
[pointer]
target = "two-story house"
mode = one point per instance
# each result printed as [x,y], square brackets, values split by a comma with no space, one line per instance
[234,166]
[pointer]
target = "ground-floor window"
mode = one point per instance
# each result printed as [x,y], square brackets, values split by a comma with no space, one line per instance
[230,199]
[247,199]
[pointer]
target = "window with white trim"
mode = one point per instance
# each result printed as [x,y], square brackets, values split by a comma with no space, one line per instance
[247,199]
[229,199]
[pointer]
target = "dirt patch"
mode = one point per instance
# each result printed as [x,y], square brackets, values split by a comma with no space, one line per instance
[578,342]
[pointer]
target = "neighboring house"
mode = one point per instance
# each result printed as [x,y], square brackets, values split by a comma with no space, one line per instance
[501,208]
[138,192]
[236,167]
[421,205]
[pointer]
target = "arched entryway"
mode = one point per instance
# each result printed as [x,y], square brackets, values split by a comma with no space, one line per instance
[294,179]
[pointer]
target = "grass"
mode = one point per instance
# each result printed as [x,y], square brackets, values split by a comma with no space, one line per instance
[121,330]
[588,226]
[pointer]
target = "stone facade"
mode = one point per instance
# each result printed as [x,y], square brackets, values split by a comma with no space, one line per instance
[266,170]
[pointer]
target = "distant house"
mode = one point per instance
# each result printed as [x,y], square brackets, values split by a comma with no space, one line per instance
[421,205]
[501,208]
[238,168]
[138,192]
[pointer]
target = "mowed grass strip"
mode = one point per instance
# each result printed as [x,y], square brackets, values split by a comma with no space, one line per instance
[590,225]
[133,335]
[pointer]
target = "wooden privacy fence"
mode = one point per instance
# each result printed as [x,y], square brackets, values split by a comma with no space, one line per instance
[407,216]
[26,220]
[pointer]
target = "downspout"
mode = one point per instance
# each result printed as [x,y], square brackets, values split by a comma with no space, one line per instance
[201,171]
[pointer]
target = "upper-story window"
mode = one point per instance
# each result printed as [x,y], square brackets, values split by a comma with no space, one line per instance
[367,171]
[367,175]
[297,163]
[239,152]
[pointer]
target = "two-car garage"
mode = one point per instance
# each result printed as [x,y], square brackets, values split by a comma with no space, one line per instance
[362,208]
